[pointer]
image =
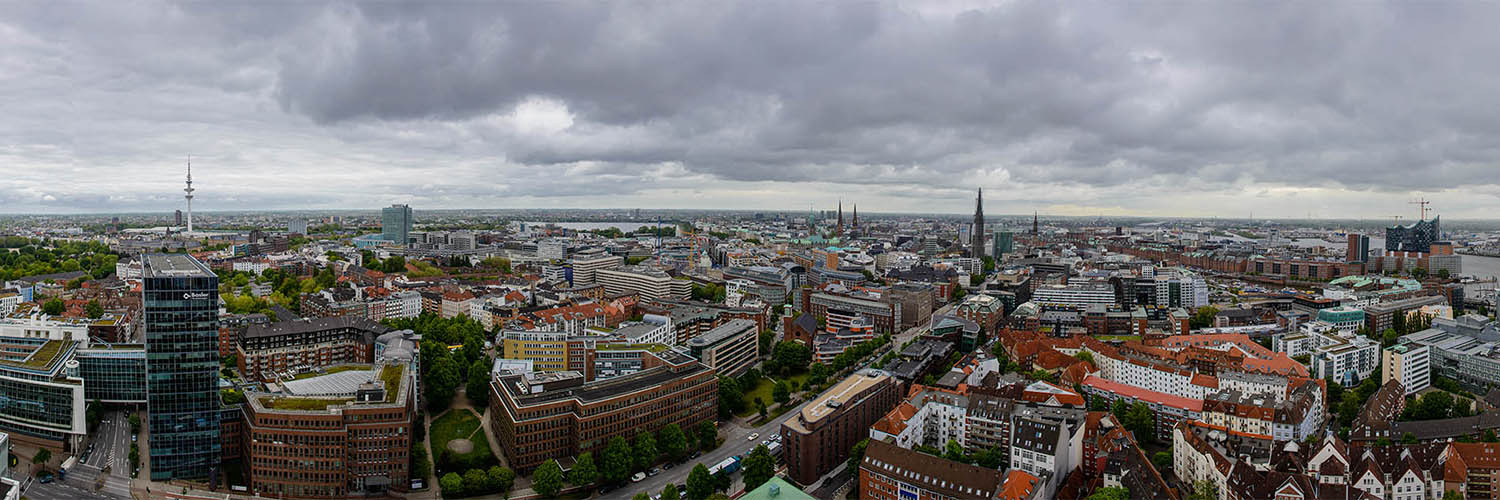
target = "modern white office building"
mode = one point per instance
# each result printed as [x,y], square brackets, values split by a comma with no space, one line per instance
[648,283]
[587,264]
[1409,363]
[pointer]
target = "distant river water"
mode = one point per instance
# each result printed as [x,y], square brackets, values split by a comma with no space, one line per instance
[628,227]
[1485,268]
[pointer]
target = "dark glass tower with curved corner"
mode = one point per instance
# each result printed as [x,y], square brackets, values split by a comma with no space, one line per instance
[181,305]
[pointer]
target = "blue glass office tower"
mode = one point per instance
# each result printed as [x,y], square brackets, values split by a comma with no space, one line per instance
[181,305]
[396,223]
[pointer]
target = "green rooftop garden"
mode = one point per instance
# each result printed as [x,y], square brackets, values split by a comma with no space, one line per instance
[306,404]
[42,357]
[390,375]
[632,347]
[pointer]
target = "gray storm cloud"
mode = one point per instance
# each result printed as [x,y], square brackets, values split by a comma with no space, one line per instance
[1112,105]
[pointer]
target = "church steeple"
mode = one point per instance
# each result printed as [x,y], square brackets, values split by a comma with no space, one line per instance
[840,228]
[976,240]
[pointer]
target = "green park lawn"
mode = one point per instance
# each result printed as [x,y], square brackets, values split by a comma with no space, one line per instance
[455,424]
[763,388]
[460,424]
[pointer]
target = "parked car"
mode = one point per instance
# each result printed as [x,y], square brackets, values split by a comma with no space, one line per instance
[638,477]
[668,466]
[653,472]
[752,436]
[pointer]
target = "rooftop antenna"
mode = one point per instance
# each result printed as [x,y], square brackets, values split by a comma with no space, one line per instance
[189,195]
[1423,204]
[1396,221]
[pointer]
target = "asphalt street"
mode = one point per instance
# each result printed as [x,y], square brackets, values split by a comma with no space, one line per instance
[736,442]
[736,438]
[63,491]
[111,442]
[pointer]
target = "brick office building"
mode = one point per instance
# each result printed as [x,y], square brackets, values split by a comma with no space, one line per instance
[341,435]
[538,416]
[819,437]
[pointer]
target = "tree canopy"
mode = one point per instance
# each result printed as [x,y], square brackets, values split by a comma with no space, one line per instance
[759,467]
[584,472]
[548,479]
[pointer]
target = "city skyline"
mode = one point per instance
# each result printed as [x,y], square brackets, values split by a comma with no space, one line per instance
[1122,110]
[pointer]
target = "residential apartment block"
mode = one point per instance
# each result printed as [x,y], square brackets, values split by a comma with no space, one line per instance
[268,352]
[819,437]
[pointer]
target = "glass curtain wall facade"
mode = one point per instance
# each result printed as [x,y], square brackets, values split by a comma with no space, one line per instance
[114,375]
[182,364]
[396,223]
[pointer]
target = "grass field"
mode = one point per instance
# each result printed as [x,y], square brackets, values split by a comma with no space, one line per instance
[460,424]
[454,424]
[763,388]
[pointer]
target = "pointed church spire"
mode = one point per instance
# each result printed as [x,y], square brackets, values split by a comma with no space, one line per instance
[976,240]
[840,228]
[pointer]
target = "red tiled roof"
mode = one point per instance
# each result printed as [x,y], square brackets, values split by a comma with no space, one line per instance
[1064,395]
[1018,485]
[1050,359]
[1482,455]
[1076,373]
[1144,394]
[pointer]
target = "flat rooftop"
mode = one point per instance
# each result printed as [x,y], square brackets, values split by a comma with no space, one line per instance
[322,392]
[343,383]
[598,390]
[174,265]
[304,325]
[44,358]
[836,398]
[732,328]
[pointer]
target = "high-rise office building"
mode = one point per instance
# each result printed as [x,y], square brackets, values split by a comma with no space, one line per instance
[395,223]
[1359,248]
[181,315]
[1004,244]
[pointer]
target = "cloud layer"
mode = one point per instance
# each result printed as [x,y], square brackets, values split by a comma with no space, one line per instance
[1203,109]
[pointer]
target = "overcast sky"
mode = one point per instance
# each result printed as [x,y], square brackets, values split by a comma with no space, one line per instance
[1280,109]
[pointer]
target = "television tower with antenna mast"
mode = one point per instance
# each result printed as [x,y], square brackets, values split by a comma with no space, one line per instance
[189,195]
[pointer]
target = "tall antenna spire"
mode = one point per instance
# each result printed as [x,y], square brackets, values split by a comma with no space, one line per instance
[189,192]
